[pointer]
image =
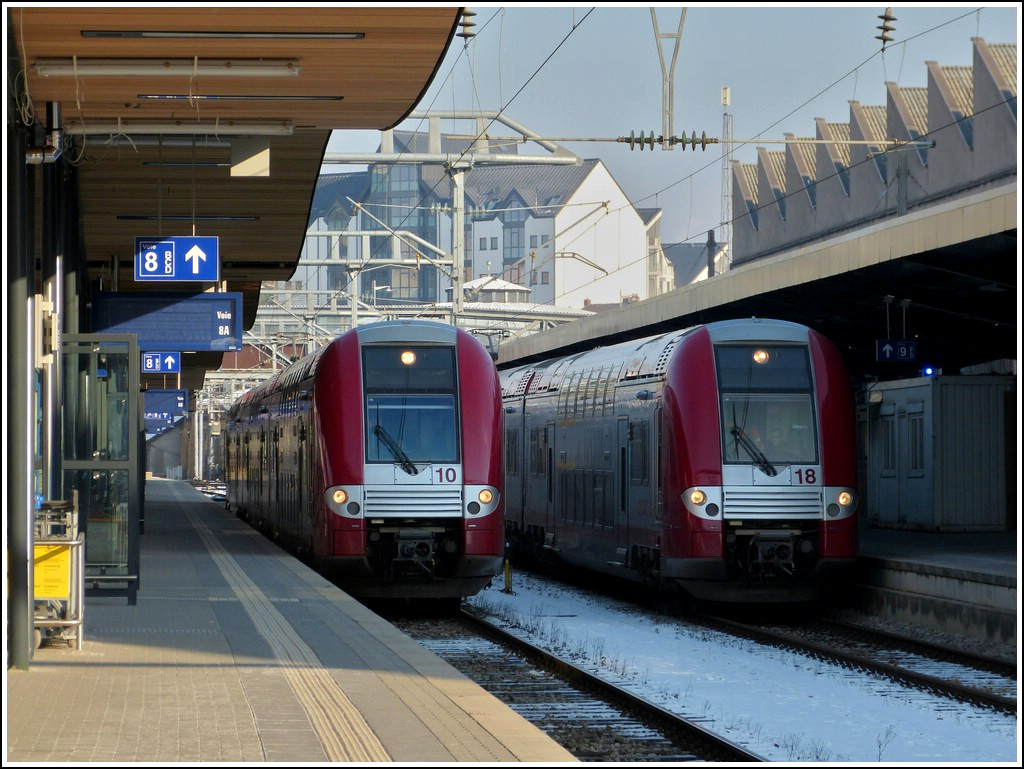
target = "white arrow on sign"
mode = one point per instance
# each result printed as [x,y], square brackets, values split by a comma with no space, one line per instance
[195,254]
[887,349]
[169,360]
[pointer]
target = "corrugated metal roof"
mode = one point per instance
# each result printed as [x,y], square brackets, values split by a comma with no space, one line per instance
[875,119]
[417,141]
[333,190]
[1005,55]
[960,80]
[805,153]
[688,260]
[750,175]
[777,166]
[648,214]
[840,134]
[493,284]
[917,103]
[539,186]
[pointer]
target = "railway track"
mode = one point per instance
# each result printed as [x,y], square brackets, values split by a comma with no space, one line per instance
[592,718]
[932,667]
[938,669]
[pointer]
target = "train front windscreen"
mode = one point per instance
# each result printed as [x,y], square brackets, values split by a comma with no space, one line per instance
[767,406]
[411,405]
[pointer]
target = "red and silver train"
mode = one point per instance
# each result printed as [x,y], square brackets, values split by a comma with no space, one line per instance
[719,459]
[378,458]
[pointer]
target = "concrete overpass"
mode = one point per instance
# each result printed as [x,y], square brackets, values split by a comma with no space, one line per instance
[946,276]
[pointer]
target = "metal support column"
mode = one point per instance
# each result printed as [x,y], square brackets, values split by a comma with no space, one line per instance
[20,292]
[458,233]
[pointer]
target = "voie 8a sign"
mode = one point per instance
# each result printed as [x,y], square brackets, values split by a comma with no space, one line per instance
[169,322]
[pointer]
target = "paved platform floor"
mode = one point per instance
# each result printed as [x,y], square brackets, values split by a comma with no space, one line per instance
[236,652]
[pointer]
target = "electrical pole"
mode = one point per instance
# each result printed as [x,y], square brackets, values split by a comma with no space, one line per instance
[725,225]
[667,75]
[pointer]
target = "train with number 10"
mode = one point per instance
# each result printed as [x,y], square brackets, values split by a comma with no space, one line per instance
[718,459]
[378,459]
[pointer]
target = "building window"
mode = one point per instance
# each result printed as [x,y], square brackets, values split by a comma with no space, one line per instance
[494,244]
[544,239]
[513,237]
[533,241]
[483,244]
[544,278]
[533,277]
[515,273]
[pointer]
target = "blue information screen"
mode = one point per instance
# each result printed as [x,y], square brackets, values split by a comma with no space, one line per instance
[204,322]
[165,404]
[162,409]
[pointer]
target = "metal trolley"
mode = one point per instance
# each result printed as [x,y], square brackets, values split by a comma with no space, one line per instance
[58,573]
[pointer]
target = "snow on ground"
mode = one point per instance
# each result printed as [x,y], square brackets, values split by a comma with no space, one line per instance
[780,704]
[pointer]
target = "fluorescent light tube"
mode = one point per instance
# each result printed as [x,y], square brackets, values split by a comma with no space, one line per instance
[181,128]
[225,35]
[75,67]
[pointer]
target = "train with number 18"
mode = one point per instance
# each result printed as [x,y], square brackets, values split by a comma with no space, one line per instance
[378,458]
[718,459]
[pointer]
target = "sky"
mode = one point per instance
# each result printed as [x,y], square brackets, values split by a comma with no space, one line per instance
[784,706]
[595,73]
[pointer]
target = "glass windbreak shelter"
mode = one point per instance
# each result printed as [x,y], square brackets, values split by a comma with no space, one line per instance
[102,455]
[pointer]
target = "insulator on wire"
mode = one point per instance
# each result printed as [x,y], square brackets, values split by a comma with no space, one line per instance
[467,25]
[641,140]
[693,141]
[886,27]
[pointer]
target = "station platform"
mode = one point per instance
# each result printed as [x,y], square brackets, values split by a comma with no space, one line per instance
[237,652]
[959,583]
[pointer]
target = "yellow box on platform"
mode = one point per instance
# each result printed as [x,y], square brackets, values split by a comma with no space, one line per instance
[52,571]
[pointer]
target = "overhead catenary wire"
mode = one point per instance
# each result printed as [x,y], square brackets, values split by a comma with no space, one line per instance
[504,107]
[737,143]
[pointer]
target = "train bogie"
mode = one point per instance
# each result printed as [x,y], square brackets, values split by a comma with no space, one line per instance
[391,438]
[717,459]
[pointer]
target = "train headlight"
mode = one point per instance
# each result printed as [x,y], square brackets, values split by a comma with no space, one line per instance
[408,357]
[704,502]
[344,501]
[761,357]
[842,502]
[482,500]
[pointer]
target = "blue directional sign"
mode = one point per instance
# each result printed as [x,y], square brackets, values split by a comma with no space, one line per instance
[895,350]
[205,322]
[165,405]
[177,258]
[161,362]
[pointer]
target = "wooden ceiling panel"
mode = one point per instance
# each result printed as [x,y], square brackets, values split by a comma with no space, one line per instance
[379,78]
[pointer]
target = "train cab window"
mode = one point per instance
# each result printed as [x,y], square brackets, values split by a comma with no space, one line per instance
[411,412]
[767,406]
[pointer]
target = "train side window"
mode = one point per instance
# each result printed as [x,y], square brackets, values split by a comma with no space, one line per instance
[639,448]
[512,452]
[536,451]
